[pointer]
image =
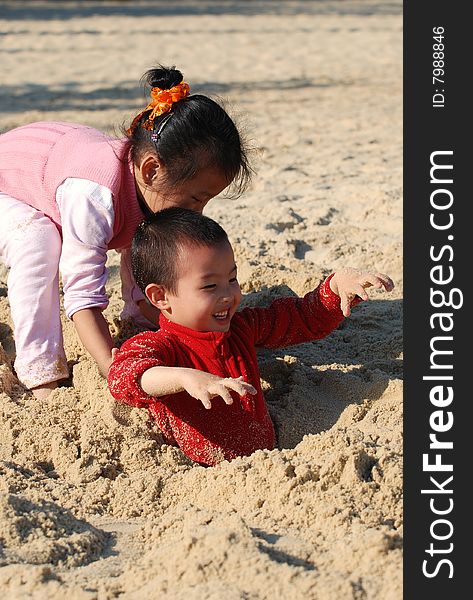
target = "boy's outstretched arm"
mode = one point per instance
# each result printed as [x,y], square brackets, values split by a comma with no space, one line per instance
[289,320]
[349,283]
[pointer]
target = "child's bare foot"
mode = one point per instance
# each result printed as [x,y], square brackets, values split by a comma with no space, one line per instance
[41,392]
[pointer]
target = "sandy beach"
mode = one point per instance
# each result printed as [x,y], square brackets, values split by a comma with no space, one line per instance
[93,505]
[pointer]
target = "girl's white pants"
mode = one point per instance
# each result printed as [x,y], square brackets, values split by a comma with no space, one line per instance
[30,245]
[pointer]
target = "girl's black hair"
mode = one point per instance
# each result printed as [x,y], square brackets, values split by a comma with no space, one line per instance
[199,134]
[158,241]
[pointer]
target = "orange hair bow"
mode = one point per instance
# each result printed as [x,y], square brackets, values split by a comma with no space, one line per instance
[162,101]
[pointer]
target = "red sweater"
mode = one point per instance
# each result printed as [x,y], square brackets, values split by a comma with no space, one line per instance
[225,431]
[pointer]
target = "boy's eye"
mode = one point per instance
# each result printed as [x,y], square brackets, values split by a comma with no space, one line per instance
[233,280]
[211,286]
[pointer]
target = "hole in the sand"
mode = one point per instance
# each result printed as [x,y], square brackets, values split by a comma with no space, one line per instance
[48,468]
[364,466]
[111,471]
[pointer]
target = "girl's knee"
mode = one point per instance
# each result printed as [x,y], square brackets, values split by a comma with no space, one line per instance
[33,257]
[33,239]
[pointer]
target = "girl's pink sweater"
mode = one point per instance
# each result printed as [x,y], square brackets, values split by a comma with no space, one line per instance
[36,159]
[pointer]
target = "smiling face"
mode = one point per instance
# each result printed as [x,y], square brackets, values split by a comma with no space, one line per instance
[208,293]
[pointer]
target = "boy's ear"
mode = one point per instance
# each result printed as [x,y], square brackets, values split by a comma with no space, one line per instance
[157,295]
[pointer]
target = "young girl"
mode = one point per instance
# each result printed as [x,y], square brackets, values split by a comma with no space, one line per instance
[198,375]
[69,193]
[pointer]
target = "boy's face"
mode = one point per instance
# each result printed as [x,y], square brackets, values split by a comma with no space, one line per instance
[208,292]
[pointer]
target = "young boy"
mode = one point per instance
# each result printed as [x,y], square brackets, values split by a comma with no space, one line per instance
[198,374]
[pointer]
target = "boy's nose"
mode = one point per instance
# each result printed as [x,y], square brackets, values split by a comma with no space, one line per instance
[228,297]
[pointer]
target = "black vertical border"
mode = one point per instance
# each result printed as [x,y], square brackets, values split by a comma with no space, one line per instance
[428,129]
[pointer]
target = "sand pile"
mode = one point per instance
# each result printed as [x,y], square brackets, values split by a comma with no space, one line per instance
[92,504]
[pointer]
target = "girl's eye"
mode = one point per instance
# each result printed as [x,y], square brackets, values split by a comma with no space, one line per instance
[211,286]
[233,280]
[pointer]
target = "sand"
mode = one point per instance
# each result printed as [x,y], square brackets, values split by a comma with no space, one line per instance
[93,505]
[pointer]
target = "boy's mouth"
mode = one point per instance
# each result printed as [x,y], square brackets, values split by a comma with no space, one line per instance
[222,315]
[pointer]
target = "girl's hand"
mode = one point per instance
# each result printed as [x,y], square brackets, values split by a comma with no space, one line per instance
[205,386]
[348,283]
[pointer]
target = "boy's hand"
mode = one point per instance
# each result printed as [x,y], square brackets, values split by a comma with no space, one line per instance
[205,386]
[348,283]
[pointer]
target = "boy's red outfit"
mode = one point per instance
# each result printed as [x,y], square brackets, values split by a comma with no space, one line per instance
[223,432]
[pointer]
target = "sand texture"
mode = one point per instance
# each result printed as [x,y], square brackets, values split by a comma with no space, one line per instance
[92,504]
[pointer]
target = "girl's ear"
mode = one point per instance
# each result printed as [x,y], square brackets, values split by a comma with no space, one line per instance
[157,295]
[149,168]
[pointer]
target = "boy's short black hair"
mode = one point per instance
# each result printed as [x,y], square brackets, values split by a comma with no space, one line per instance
[158,240]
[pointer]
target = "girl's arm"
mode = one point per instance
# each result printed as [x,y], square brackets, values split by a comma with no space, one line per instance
[87,218]
[94,333]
